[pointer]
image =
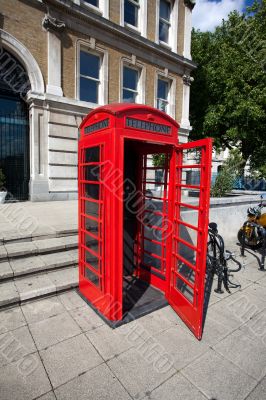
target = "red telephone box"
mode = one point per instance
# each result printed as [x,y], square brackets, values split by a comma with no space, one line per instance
[142,239]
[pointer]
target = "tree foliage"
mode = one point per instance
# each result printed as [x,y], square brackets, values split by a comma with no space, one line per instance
[230,170]
[228,96]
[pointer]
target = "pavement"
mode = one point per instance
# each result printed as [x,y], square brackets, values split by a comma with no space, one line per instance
[59,348]
[36,219]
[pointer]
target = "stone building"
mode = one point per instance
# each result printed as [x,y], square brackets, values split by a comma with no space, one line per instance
[61,58]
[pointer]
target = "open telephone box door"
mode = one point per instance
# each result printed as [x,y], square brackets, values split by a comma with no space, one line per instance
[143,215]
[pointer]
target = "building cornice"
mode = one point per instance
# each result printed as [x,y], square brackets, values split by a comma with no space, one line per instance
[115,35]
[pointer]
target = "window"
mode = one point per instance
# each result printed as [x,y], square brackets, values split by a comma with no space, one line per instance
[98,6]
[162,94]
[130,84]
[131,12]
[89,77]
[94,3]
[164,20]
[167,19]
[165,94]
[133,15]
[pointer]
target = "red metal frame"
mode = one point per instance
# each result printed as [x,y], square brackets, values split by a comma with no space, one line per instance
[101,284]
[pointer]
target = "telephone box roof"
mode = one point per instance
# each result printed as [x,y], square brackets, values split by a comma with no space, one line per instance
[118,109]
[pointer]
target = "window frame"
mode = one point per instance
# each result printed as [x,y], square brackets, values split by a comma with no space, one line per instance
[102,9]
[140,98]
[173,25]
[142,17]
[171,106]
[91,48]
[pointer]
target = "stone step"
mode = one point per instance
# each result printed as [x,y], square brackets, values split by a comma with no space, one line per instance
[34,264]
[39,234]
[30,287]
[35,247]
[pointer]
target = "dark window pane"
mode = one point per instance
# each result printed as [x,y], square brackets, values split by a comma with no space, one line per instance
[91,208]
[92,154]
[92,260]
[130,13]
[129,97]
[92,173]
[152,261]
[92,191]
[165,9]
[163,32]
[89,90]
[93,2]
[130,78]
[91,243]
[162,89]
[92,277]
[89,65]
[91,226]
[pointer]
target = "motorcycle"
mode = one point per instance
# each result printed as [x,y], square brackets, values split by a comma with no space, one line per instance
[251,234]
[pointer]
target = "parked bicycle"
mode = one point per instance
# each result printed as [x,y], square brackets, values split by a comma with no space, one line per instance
[252,234]
[218,259]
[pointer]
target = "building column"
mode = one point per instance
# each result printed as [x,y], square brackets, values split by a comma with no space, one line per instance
[53,27]
[187,33]
[39,185]
[185,124]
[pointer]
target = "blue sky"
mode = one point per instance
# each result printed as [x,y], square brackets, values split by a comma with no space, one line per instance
[207,14]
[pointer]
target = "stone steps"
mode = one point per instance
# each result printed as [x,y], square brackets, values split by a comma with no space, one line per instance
[42,267]
[30,287]
[35,247]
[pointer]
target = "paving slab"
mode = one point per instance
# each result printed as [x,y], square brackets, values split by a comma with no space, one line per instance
[34,286]
[110,342]
[86,318]
[214,331]
[11,319]
[176,388]
[255,329]
[48,396]
[8,293]
[138,371]
[245,352]
[15,345]
[27,265]
[5,270]
[35,311]
[180,345]
[92,385]
[71,300]
[24,380]
[69,359]
[259,393]
[64,279]
[20,249]
[53,330]
[219,378]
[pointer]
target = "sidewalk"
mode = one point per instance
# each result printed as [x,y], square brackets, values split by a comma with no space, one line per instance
[29,218]
[58,348]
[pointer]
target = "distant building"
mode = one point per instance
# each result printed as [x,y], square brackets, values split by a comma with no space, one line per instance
[61,58]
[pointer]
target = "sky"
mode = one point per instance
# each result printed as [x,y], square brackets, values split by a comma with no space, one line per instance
[207,14]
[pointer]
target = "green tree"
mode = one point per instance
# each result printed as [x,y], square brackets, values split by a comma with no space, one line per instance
[228,96]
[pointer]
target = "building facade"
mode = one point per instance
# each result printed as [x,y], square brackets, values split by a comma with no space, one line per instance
[61,58]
